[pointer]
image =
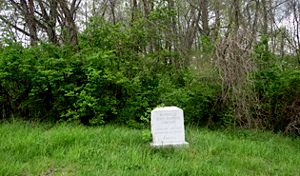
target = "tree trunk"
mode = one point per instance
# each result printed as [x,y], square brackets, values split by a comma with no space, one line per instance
[282,43]
[147,9]
[265,17]
[271,19]
[172,26]
[112,7]
[191,30]
[236,15]
[70,25]
[52,23]
[218,20]
[28,13]
[49,20]
[254,28]
[134,10]
[204,17]
[32,25]
[297,32]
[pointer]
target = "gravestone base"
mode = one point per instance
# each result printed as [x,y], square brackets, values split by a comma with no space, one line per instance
[181,144]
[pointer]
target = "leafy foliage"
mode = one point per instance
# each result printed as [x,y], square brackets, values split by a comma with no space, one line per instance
[277,91]
[112,80]
[106,81]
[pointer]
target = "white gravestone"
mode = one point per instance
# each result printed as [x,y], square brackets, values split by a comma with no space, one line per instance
[167,127]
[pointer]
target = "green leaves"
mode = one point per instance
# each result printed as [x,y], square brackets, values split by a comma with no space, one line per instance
[108,80]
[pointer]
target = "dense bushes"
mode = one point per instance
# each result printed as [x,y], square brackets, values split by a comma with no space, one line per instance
[277,91]
[109,80]
[278,94]
[96,86]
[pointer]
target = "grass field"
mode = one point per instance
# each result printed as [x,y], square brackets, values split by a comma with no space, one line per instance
[29,148]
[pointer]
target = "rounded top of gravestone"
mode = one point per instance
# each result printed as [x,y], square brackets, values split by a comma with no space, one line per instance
[167,108]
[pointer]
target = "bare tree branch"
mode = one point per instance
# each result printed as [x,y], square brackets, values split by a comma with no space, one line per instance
[14,26]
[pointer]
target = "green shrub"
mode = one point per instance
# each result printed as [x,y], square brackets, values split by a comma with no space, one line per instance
[277,87]
[107,81]
[279,96]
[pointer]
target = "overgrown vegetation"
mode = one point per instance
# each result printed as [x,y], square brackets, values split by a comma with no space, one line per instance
[119,66]
[108,81]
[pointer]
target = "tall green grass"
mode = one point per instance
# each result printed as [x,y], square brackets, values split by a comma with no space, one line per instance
[29,148]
